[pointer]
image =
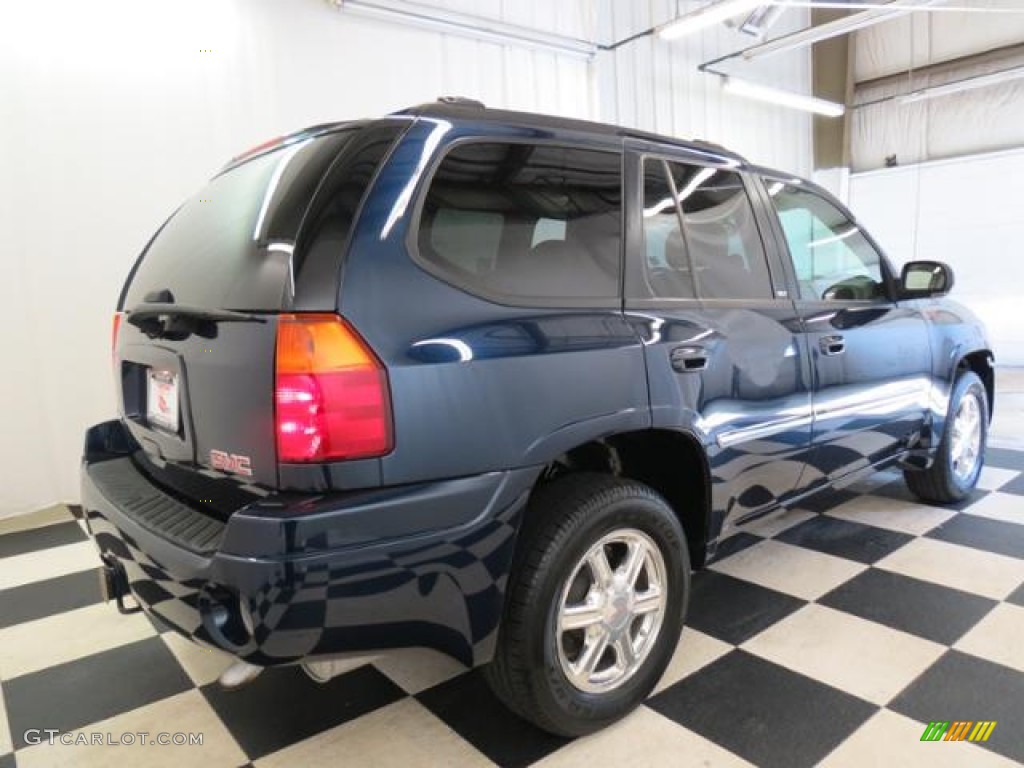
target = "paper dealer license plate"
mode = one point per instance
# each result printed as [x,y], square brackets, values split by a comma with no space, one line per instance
[162,399]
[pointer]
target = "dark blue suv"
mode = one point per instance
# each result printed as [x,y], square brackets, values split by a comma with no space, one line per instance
[493,383]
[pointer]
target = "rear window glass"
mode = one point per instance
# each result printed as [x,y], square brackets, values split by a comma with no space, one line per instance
[230,245]
[526,221]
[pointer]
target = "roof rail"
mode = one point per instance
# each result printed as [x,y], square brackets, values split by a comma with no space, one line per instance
[465,107]
[461,101]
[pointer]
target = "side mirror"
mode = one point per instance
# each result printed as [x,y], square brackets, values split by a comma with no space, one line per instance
[920,279]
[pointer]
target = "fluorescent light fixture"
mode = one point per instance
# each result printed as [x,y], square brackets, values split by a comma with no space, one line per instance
[895,5]
[782,98]
[468,26]
[831,29]
[761,19]
[967,84]
[705,17]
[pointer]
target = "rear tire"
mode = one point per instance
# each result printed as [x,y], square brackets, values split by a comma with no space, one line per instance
[610,556]
[961,452]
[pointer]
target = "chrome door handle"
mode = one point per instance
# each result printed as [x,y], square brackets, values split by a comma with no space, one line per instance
[832,345]
[688,359]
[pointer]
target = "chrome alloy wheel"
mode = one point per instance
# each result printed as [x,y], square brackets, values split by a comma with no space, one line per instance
[611,611]
[965,438]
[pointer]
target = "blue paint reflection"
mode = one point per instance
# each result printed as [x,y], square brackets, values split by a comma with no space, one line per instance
[538,335]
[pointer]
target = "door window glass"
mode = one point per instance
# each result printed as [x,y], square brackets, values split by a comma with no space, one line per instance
[832,259]
[719,253]
[666,264]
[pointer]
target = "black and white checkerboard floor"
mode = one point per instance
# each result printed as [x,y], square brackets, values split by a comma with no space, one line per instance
[829,635]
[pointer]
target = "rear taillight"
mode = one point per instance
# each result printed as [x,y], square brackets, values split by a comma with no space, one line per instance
[114,330]
[330,392]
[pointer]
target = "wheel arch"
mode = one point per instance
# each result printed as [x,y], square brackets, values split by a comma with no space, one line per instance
[981,362]
[672,462]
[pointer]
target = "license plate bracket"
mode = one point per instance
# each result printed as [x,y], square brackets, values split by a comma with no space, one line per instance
[162,400]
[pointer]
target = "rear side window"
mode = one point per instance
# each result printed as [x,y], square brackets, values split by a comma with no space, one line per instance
[718,254]
[230,245]
[525,221]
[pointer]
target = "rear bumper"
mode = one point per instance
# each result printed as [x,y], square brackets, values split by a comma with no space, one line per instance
[290,577]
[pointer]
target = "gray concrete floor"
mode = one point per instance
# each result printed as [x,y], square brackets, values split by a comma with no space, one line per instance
[1007,430]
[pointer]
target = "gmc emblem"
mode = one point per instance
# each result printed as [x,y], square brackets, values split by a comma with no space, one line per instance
[231,462]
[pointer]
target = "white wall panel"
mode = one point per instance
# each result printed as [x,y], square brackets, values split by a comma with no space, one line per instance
[966,213]
[574,18]
[966,123]
[924,38]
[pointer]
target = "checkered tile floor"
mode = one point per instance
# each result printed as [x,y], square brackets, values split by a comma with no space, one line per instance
[828,635]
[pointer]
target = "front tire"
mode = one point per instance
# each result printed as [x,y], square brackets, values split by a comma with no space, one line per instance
[961,452]
[596,603]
